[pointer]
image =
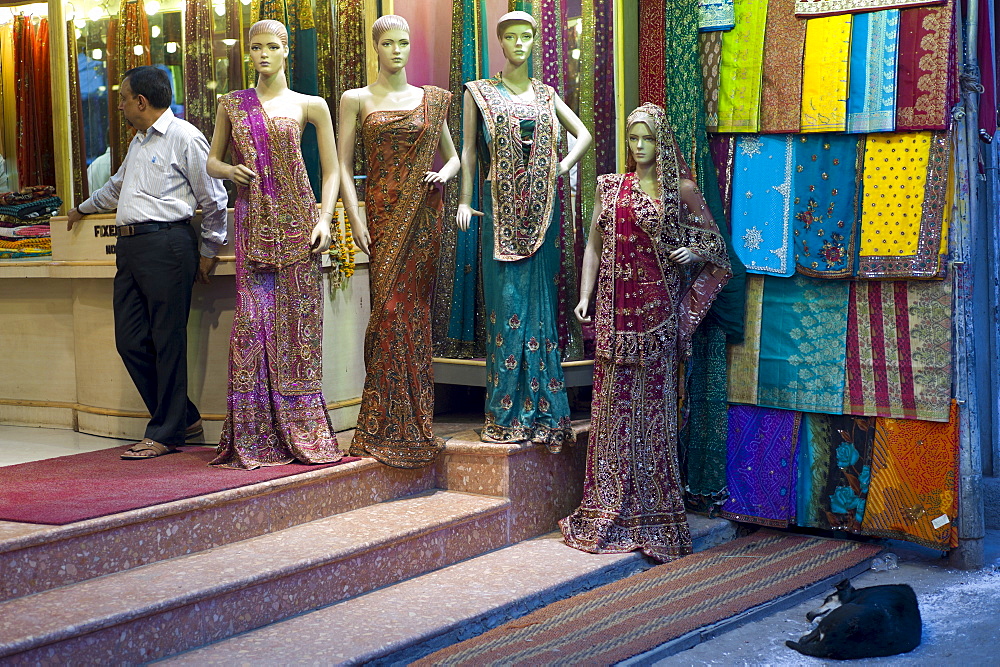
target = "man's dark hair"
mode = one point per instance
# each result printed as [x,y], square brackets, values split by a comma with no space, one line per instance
[152,83]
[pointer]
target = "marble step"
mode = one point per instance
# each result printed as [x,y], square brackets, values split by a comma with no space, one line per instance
[38,558]
[411,619]
[169,606]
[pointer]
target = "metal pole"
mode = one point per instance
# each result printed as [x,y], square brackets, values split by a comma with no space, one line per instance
[965,252]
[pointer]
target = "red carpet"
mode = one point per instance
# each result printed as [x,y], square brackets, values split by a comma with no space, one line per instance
[84,486]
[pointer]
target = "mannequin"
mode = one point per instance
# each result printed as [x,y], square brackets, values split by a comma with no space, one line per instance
[658,261]
[519,118]
[402,127]
[276,412]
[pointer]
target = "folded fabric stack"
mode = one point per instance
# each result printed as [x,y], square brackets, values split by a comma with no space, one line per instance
[24,222]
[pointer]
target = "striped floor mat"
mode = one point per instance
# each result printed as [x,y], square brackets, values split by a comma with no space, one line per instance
[631,616]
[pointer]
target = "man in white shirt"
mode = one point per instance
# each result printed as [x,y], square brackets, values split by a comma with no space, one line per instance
[156,191]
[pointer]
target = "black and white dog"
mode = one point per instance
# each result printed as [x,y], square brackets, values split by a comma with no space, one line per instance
[863,623]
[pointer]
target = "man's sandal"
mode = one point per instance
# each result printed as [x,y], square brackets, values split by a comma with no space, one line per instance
[147,449]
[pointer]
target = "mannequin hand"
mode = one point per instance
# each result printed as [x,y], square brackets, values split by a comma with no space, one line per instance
[564,168]
[464,216]
[684,256]
[434,177]
[362,239]
[73,217]
[581,310]
[319,241]
[240,174]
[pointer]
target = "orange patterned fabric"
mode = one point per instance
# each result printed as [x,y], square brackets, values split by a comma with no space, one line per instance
[404,216]
[914,482]
[781,95]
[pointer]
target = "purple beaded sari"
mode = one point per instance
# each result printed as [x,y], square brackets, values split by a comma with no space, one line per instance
[276,413]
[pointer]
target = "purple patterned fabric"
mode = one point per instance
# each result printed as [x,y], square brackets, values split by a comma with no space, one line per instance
[276,412]
[762,466]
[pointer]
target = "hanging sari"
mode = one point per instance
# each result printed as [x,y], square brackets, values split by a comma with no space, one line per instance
[835,454]
[825,200]
[781,92]
[742,67]
[824,74]
[871,104]
[395,424]
[762,199]
[915,482]
[802,355]
[927,68]
[904,206]
[276,411]
[762,468]
[899,349]
[645,313]
[525,390]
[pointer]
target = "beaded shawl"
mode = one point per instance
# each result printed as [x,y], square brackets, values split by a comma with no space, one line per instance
[524,192]
[281,215]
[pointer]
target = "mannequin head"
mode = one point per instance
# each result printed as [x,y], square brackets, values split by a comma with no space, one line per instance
[516,32]
[391,38]
[268,44]
[642,132]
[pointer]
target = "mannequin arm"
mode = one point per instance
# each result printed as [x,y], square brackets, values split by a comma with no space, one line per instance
[574,126]
[470,120]
[446,146]
[591,264]
[350,109]
[216,166]
[318,113]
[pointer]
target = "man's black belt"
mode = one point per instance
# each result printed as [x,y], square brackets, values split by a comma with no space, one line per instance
[147,227]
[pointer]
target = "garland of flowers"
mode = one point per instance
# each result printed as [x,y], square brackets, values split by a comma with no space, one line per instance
[342,251]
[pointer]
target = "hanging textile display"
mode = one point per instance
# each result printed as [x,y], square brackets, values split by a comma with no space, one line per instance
[325,61]
[812,8]
[652,56]
[899,349]
[781,92]
[904,205]
[551,18]
[761,470]
[914,486]
[871,103]
[824,74]
[834,459]
[722,148]
[715,15]
[927,65]
[744,359]
[710,55]
[825,204]
[987,56]
[81,188]
[456,322]
[802,355]
[199,66]
[761,209]
[742,69]
[127,49]
[705,436]
[350,71]
[32,76]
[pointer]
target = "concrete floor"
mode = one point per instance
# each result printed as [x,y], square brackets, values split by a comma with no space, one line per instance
[960,612]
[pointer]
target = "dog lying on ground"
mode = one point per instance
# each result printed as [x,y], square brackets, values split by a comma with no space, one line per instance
[863,623]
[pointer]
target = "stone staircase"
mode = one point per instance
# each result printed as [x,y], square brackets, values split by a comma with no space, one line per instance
[348,540]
